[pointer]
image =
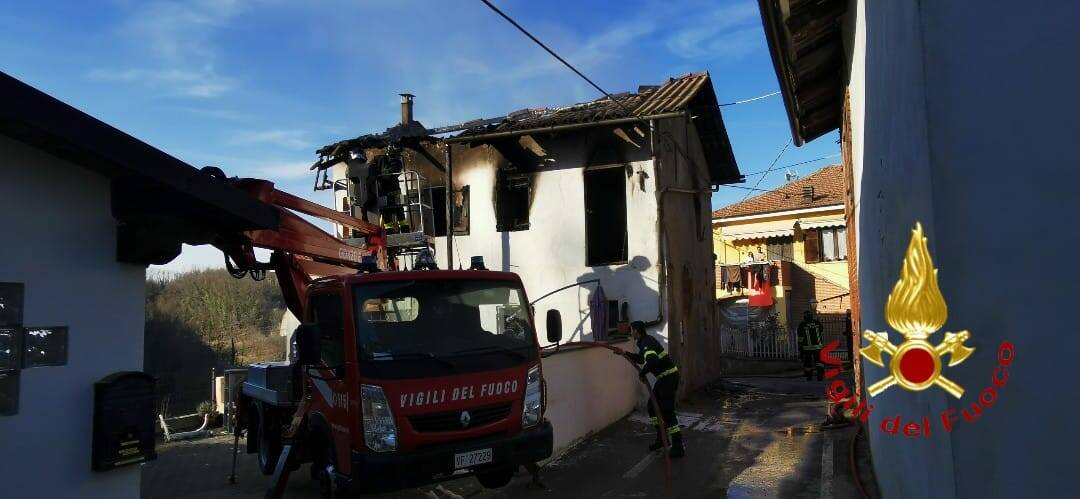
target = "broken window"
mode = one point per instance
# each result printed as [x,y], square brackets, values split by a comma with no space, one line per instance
[461,211]
[605,216]
[512,194]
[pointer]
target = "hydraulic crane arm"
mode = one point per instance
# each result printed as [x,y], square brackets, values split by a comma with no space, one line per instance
[302,252]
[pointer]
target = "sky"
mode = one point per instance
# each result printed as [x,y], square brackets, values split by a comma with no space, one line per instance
[254,87]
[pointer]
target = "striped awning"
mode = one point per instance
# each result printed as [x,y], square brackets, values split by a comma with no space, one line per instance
[822,224]
[777,228]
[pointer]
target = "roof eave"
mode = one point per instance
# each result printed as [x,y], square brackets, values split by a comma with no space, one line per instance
[769,19]
[38,119]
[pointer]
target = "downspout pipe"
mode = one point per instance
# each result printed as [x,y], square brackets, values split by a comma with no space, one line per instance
[661,256]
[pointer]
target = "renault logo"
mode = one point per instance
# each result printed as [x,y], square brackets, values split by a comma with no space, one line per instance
[465,418]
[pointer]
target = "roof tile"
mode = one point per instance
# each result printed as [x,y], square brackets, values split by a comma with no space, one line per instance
[828,184]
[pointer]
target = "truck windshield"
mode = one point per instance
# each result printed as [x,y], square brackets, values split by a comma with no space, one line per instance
[442,319]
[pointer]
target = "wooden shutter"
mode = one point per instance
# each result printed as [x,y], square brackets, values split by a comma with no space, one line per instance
[812,246]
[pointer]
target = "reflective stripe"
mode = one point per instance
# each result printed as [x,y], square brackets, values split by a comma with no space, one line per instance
[673,370]
[674,429]
[648,353]
[663,354]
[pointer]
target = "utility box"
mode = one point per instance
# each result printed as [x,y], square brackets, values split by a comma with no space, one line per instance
[123,434]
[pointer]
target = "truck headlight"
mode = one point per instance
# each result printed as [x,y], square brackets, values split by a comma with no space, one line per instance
[380,432]
[530,416]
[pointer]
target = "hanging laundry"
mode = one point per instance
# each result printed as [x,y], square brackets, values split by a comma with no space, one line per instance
[598,310]
[733,274]
[760,290]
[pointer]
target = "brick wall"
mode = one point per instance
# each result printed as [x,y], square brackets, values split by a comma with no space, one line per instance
[806,287]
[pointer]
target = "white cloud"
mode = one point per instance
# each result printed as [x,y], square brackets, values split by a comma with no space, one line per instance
[289,139]
[204,82]
[177,42]
[725,31]
[282,170]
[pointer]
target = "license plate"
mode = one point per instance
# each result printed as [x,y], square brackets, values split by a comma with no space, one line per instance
[470,459]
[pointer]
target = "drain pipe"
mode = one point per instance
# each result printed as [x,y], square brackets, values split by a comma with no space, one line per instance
[661,254]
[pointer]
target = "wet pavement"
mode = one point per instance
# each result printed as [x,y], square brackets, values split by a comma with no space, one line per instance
[744,437]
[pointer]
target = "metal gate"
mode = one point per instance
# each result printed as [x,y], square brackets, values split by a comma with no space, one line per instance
[758,343]
[837,327]
[762,341]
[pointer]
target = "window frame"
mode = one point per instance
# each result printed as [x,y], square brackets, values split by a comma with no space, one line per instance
[438,211]
[839,253]
[508,185]
[787,248]
[624,256]
[336,296]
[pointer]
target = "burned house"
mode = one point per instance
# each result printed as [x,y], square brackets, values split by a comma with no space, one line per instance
[603,208]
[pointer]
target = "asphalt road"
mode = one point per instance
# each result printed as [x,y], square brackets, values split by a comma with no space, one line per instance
[747,437]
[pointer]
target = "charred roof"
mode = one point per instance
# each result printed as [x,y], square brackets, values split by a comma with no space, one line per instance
[689,95]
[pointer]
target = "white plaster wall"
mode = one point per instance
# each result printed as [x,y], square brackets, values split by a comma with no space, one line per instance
[61,242]
[962,120]
[587,390]
[551,253]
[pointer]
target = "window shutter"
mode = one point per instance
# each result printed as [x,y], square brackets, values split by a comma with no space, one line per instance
[812,246]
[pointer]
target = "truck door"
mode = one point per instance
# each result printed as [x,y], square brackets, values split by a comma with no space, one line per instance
[329,378]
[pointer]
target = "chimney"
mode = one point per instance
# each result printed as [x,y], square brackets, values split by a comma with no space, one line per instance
[406,108]
[808,194]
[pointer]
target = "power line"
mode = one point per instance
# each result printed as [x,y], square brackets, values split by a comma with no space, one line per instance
[746,188]
[552,52]
[778,156]
[790,165]
[752,99]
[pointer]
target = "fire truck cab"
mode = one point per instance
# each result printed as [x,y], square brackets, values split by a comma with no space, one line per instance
[412,377]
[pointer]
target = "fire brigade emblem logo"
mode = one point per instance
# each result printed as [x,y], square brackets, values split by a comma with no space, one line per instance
[465,419]
[916,309]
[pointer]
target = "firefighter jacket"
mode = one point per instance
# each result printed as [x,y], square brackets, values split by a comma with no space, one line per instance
[653,359]
[810,335]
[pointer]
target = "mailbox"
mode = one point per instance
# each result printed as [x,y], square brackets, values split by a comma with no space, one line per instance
[124,405]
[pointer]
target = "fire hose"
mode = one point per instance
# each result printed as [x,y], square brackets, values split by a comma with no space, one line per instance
[655,406]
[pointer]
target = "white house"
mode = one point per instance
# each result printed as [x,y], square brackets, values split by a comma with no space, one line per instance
[84,208]
[613,192]
[958,116]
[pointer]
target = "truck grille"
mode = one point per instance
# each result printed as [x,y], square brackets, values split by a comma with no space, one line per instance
[451,420]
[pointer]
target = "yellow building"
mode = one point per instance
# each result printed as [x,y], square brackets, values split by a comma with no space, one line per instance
[800,229]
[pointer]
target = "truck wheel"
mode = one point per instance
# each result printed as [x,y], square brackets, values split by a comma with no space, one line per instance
[495,479]
[269,441]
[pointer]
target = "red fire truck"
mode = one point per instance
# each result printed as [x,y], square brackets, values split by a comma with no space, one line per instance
[400,377]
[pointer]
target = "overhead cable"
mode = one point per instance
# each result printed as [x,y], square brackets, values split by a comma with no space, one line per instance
[752,99]
[552,52]
[778,156]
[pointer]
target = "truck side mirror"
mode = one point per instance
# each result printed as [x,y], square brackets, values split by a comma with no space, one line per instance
[307,344]
[554,326]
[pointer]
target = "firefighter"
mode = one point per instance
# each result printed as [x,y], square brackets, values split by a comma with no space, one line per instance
[810,346]
[654,360]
